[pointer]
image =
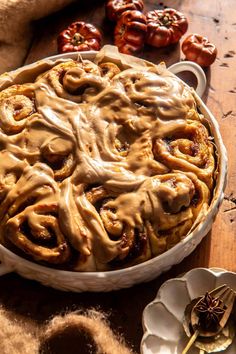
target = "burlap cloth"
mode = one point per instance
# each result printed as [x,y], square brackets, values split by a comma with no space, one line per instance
[16,19]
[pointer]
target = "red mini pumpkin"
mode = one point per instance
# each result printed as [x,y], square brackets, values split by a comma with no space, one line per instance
[130,32]
[115,8]
[165,27]
[198,49]
[79,36]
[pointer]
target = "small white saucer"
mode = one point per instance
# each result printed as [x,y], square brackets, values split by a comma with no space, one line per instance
[162,318]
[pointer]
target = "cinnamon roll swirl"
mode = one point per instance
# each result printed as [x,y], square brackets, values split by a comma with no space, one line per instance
[163,211]
[132,241]
[102,166]
[58,154]
[10,171]
[77,82]
[36,231]
[29,216]
[17,104]
[109,69]
[189,149]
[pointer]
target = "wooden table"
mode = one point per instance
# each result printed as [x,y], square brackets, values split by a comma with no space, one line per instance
[216,19]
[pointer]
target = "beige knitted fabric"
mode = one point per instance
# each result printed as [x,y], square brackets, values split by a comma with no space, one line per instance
[15,337]
[16,17]
[96,336]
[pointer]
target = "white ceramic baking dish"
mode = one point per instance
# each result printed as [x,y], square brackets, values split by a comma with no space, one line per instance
[117,279]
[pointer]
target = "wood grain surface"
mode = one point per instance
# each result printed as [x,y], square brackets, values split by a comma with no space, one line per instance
[215,19]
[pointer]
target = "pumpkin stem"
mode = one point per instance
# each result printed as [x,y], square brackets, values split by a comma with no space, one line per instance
[77,39]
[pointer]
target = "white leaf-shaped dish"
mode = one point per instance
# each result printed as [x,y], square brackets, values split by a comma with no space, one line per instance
[162,318]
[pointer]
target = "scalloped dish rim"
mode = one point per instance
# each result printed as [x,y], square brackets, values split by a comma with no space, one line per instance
[217,272]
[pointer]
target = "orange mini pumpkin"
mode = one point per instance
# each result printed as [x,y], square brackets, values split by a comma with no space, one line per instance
[130,32]
[165,27]
[198,49]
[79,36]
[115,8]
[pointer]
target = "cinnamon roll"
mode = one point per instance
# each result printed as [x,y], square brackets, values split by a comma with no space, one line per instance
[29,216]
[10,171]
[17,104]
[58,154]
[148,90]
[163,211]
[189,149]
[36,231]
[133,241]
[77,82]
[101,167]
[109,69]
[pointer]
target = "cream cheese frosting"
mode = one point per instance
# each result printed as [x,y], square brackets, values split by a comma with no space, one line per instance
[100,171]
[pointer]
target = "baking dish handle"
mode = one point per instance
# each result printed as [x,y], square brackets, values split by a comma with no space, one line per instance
[4,269]
[195,69]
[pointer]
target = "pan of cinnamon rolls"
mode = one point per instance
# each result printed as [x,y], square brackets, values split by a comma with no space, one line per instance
[111,170]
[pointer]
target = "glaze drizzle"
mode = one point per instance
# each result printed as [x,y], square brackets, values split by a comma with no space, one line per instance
[101,169]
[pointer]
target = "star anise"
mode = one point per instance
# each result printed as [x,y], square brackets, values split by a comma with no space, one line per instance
[210,311]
